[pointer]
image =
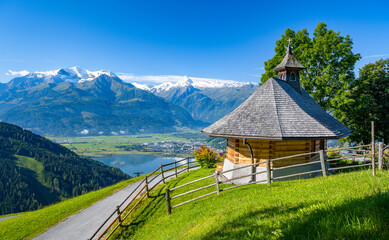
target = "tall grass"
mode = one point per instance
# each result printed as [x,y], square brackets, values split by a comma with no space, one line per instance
[351,205]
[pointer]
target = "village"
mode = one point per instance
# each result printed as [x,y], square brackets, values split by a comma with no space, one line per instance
[164,147]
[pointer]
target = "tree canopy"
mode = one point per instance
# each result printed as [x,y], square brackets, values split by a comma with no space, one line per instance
[367,100]
[329,60]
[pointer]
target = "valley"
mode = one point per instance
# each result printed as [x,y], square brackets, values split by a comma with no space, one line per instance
[179,144]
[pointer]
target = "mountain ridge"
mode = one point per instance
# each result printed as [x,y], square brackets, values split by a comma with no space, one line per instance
[206,103]
[55,105]
[75,101]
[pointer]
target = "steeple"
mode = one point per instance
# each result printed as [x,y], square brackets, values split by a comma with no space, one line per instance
[288,69]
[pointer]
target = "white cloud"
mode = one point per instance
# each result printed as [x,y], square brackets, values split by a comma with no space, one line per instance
[114,133]
[84,132]
[377,55]
[122,132]
[17,73]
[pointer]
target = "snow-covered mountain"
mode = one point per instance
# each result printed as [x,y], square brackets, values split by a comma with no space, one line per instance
[74,74]
[198,83]
[74,101]
[142,86]
[206,99]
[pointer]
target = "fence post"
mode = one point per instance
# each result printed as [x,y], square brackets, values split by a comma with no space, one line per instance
[187,168]
[118,212]
[168,206]
[372,148]
[163,177]
[175,167]
[380,155]
[217,182]
[323,163]
[147,186]
[268,170]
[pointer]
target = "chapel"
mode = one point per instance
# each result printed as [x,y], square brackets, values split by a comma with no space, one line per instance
[279,119]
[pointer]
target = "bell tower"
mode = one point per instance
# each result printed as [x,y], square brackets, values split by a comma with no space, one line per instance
[288,69]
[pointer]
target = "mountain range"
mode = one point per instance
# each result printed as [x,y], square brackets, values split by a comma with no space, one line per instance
[206,101]
[74,101]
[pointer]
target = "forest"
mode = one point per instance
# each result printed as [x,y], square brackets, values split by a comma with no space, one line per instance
[35,172]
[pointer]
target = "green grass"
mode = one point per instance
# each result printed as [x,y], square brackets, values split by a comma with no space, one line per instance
[31,224]
[351,205]
[33,165]
[30,163]
[33,169]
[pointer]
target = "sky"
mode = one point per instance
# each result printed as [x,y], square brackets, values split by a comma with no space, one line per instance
[211,39]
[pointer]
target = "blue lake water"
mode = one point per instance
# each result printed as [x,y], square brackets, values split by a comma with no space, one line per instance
[131,163]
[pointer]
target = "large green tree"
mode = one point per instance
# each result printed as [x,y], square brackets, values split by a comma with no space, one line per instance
[367,100]
[329,60]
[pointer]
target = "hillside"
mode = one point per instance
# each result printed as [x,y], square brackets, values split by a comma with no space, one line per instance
[351,205]
[35,172]
[67,102]
[207,104]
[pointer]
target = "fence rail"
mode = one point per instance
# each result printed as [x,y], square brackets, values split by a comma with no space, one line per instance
[141,191]
[355,153]
[166,171]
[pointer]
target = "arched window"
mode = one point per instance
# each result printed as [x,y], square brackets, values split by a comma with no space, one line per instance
[292,76]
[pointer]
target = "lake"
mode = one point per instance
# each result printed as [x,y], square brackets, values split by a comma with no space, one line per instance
[131,163]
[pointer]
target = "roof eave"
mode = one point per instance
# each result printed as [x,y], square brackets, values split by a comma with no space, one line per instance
[281,68]
[276,138]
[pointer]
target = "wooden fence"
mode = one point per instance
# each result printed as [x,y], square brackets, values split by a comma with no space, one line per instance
[161,174]
[361,156]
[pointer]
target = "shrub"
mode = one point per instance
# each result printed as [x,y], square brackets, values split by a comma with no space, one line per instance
[207,158]
[333,152]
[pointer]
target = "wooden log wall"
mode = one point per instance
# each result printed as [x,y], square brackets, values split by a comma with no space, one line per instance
[239,153]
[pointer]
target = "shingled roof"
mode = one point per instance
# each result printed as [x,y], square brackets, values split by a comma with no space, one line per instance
[277,111]
[289,61]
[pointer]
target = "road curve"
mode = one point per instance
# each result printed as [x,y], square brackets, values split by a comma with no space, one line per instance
[83,224]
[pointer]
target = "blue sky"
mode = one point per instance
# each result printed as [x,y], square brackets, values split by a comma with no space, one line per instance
[212,39]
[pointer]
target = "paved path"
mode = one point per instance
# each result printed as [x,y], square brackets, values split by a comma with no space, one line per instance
[82,225]
[5,218]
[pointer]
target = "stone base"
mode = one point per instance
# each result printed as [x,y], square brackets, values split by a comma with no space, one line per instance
[228,165]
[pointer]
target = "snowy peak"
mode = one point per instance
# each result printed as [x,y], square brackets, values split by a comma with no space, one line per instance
[202,83]
[142,86]
[199,83]
[73,74]
[166,86]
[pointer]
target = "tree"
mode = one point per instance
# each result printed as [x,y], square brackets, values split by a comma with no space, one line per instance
[328,58]
[367,100]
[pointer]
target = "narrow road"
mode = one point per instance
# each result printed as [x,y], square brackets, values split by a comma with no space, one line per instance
[5,218]
[82,225]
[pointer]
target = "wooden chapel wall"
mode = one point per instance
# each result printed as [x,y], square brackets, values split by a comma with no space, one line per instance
[239,153]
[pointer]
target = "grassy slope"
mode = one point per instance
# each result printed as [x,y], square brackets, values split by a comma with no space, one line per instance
[345,206]
[31,224]
[33,169]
